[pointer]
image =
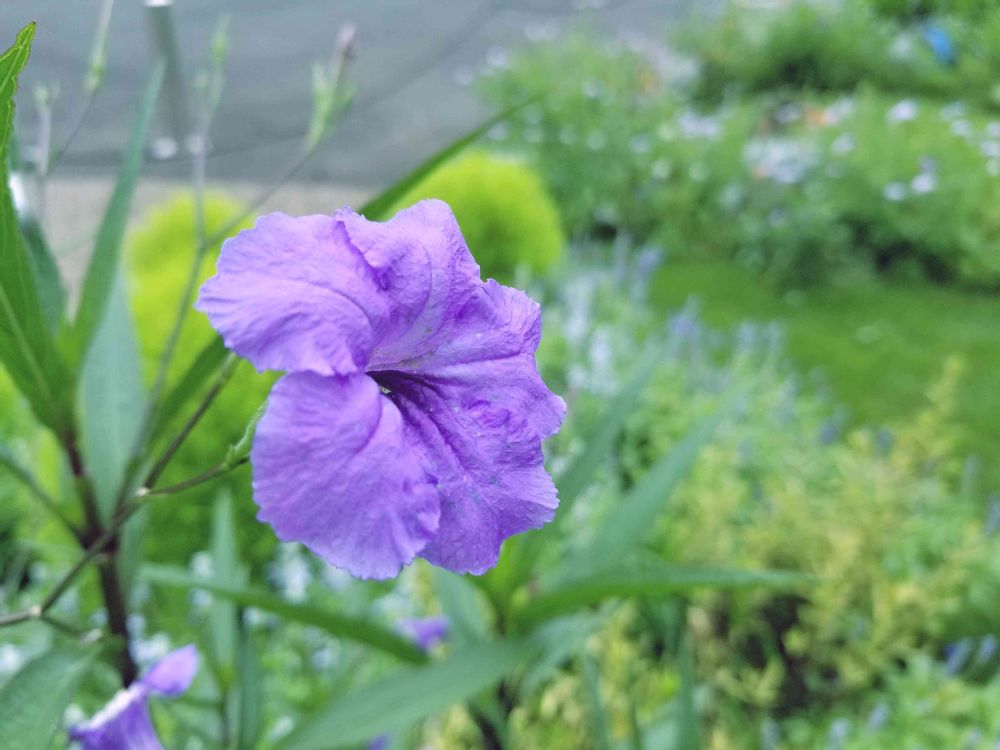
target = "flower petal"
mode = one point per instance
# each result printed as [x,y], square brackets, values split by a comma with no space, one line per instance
[424,268]
[486,462]
[124,724]
[485,351]
[294,294]
[332,470]
[172,674]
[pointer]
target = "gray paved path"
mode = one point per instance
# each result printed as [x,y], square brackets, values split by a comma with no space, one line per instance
[413,55]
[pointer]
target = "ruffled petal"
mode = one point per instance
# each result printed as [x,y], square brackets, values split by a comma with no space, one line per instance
[333,470]
[294,294]
[487,465]
[424,267]
[124,724]
[172,674]
[485,353]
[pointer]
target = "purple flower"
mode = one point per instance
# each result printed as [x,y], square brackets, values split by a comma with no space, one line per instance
[124,723]
[426,632]
[411,418]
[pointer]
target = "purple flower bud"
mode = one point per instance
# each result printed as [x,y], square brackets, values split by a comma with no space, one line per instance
[124,723]
[426,632]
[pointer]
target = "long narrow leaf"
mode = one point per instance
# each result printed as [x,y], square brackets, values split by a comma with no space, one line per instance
[51,294]
[600,725]
[659,580]
[637,514]
[378,207]
[33,702]
[104,262]
[343,626]
[27,349]
[112,397]
[408,696]
[575,479]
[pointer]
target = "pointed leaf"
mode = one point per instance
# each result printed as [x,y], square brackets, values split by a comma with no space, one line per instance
[637,513]
[647,580]
[27,349]
[408,696]
[112,398]
[356,629]
[599,722]
[377,208]
[104,262]
[33,702]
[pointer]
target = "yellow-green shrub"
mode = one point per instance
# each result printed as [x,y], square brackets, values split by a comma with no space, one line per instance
[505,212]
[159,257]
[896,549]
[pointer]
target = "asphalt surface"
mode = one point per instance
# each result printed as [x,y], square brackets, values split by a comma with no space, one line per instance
[415,58]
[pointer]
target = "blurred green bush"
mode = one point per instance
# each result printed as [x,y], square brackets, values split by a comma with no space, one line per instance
[902,557]
[159,255]
[802,189]
[838,46]
[506,214]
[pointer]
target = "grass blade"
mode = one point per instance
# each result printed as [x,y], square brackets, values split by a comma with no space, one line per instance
[104,262]
[378,207]
[356,629]
[638,512]
[658,580]
[27,349]
[599,725]
[408,696]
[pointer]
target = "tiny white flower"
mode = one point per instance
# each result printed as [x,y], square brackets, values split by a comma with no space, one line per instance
[894,191]
[903,111]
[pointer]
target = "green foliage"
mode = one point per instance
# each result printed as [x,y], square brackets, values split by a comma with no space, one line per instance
[32,703]
[838,46]
[27,350]
[803,190]
[921,705]
[874,517]
[503,208]
[159,255]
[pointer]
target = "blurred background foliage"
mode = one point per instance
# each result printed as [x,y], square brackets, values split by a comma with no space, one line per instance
[799,203]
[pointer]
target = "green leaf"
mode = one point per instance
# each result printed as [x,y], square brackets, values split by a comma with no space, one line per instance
[251,697]
[461,605]
[27,349]
[561,639]
[408,696]
[576,478]
[204,366]
[102,270]
[647,580]
[600,728]
[33,702]
[377,208]
[688,732]
[625,529]
[51,294]
[226,571]
[112,398]
[356,629]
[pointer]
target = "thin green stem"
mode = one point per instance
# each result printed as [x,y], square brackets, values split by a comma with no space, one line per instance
[228,367]
[108,537]
[22,474]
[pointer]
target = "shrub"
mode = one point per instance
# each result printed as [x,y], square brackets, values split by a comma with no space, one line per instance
[159,255]
[899,554]
[504,210]
[840,45]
